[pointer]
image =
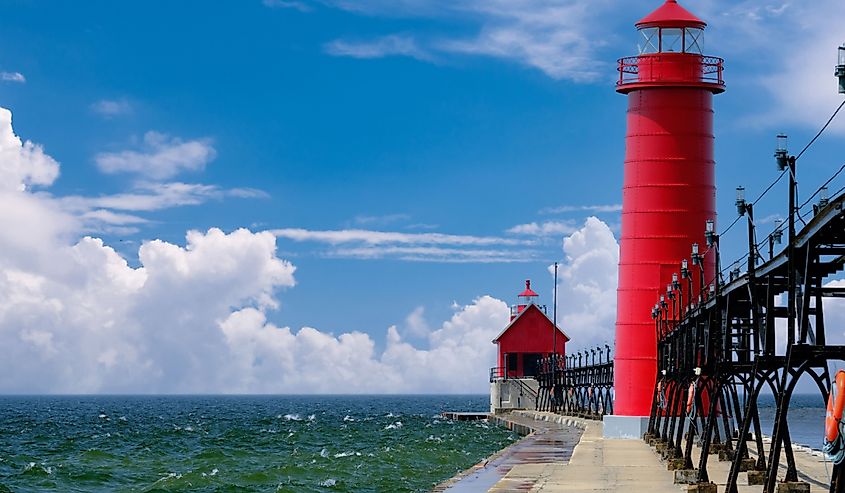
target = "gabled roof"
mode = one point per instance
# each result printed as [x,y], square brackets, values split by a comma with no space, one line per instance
[670,14]
[523,312]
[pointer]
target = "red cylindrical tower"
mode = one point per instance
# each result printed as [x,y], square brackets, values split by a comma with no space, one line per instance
[669,190]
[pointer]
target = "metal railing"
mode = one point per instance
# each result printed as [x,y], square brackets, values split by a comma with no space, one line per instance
[670,68]
[579,384]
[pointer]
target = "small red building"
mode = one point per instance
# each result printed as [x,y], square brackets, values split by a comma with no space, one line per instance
[528,337]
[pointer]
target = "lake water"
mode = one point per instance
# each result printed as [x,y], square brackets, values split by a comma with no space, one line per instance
[239,444]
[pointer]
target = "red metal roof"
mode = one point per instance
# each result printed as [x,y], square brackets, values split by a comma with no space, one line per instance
[670,14]
[523,312]
[528,291]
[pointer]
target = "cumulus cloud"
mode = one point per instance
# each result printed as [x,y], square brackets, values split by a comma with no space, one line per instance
[24,163]
[162,157]
[280,360]
[192,317]
[587,280]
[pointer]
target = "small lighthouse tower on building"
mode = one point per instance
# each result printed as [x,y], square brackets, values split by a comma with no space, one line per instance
[668,194]
[529,337]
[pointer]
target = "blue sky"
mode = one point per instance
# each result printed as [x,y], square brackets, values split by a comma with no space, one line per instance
[477,134]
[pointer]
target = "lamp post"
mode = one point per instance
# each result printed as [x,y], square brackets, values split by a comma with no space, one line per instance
[698,259]
[712,240]
[775,238]
[743,208]
[785,161]
[677,287]
[685,274]
[840,69]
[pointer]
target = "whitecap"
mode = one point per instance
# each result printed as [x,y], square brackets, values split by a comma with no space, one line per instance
[290,434]
[103,416]
[312,417]
[123,418]
[348,418]
[343,454]
[214,471]
[390,415]
[324,453]
[329,482]
[292,417]
[394,426]
[189,428]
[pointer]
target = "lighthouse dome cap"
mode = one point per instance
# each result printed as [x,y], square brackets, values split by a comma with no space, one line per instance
[670,14]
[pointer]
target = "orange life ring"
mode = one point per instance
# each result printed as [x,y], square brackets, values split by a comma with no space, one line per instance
[835,405]
[690,397]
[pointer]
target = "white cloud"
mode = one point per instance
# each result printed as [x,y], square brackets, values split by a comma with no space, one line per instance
[12,77]
[23,163]
[110,108]
[392,45]
[555,36]
[548,228]
[156,196]
[75,317]
[381,220]
[413,247]
[587,285]
[582,208]
[457,359]
[336,237]
[162,157]
[287,4]
[435,254]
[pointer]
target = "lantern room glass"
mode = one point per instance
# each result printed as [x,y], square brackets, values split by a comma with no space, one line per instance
[693,38]
[649,40]
[670,40]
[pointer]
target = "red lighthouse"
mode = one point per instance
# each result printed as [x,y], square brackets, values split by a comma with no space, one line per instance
[669,189]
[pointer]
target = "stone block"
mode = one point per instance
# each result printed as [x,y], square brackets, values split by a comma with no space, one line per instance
[676,463]
[701,488]
[756,477]
[747,465]
[686,476]
[796,487]
[726,455]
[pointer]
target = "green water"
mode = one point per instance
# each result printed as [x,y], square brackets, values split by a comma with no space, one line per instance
[238,444]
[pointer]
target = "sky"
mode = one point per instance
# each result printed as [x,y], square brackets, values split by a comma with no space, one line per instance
[321,196]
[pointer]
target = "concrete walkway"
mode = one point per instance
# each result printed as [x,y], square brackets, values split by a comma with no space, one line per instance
[596,465]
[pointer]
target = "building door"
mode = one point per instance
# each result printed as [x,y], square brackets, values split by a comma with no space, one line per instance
[531,364]
[510,365]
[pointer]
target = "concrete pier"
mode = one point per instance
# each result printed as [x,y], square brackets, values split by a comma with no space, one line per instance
[546,461]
